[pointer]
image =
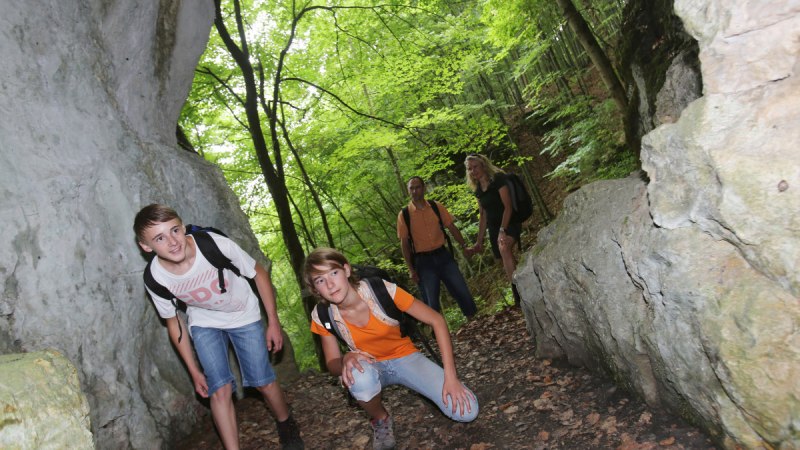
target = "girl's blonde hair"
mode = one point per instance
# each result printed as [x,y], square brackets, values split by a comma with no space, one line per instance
[328,258]
[490,169]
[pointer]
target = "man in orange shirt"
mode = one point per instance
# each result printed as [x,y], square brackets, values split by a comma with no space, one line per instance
[422,240]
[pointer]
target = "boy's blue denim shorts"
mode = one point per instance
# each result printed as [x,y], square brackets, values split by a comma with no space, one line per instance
[250,345]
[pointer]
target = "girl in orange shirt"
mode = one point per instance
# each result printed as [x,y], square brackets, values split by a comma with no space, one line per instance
[378,355]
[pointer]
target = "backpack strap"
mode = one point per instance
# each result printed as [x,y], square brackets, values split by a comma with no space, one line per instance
[209,248]
[386,302]
[408,324]
[161,291]
[407,220]
[214,255]
[156,287]
[441,225]
[324,314]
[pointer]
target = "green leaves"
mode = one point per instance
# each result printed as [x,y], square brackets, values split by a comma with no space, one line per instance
[371,93]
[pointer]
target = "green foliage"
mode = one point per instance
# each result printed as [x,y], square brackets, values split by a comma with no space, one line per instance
[454,318]
[592,138]
[372,93]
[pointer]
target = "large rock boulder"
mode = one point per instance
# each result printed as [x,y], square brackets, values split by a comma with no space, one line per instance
[685,287]
[41,403]
[91,93]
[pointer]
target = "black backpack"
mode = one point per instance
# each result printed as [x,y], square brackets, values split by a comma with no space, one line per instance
[408,324]
[407,220]
[520,198]
[209,249]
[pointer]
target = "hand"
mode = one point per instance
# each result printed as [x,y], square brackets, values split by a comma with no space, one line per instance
[200,384]
[353,360]
[414,276]
[274,337]
[458,394]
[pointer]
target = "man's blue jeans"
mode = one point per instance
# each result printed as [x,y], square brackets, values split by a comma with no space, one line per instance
[439,266]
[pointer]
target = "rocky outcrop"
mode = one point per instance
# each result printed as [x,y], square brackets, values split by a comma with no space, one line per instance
[91,93]
[41,403]
[685,287]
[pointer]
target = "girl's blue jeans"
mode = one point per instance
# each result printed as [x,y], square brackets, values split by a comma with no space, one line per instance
[414,371]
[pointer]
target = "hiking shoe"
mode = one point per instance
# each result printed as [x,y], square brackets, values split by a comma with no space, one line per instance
[382,434]
[289,435]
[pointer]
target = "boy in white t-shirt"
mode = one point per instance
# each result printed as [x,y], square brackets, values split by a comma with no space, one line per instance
[216,318]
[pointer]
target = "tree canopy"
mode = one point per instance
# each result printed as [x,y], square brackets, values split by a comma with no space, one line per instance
[318,113]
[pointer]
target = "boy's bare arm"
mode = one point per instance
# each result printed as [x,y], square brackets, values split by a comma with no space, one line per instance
[184,347]
[267,293]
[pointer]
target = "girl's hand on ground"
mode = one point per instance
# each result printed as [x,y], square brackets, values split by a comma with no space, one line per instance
[353,360]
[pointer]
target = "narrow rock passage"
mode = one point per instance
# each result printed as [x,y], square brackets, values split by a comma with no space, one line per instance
[525,404]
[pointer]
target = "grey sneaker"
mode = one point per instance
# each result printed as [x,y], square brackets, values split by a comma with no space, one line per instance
[383,436]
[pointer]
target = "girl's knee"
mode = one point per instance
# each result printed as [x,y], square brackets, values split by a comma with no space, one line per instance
[367,384]
[469,414]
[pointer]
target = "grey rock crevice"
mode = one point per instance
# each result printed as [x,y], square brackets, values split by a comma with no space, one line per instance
[696,307]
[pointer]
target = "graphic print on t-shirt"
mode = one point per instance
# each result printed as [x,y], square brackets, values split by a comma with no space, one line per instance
[203,291]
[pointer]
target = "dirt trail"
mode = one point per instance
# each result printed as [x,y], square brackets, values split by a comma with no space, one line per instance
[525,404]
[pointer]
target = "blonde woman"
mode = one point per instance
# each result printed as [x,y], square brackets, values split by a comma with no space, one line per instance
[488,182]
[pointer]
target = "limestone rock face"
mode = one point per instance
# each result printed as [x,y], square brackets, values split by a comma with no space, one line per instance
[41,403]
[685,288]
[91,93]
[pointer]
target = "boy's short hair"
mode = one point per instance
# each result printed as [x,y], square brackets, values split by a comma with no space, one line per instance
[150,215]
[325,257]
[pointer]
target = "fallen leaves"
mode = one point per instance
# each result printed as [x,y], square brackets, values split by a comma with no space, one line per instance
[525,404]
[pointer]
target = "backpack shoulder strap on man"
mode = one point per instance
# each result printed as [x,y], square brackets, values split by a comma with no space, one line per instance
[435,208]
[407,220]
[441,224]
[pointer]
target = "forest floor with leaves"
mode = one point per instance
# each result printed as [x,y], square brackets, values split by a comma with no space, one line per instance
[525,403]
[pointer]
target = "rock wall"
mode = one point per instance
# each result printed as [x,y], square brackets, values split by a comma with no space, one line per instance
[685,288]
[91,93]
[41,403]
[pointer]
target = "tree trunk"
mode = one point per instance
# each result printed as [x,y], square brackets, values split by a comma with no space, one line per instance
[307,180]
[310,243]
[603,65]
[276,185]
[596,54]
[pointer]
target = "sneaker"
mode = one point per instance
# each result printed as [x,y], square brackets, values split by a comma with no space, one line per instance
[289,435]
[383,436]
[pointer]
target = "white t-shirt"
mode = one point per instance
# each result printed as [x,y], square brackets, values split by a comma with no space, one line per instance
[199,288]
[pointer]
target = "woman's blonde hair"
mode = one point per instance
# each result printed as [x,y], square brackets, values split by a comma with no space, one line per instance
[330,259]
[490,169]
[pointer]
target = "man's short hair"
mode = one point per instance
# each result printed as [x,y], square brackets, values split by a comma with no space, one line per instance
[416,177]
